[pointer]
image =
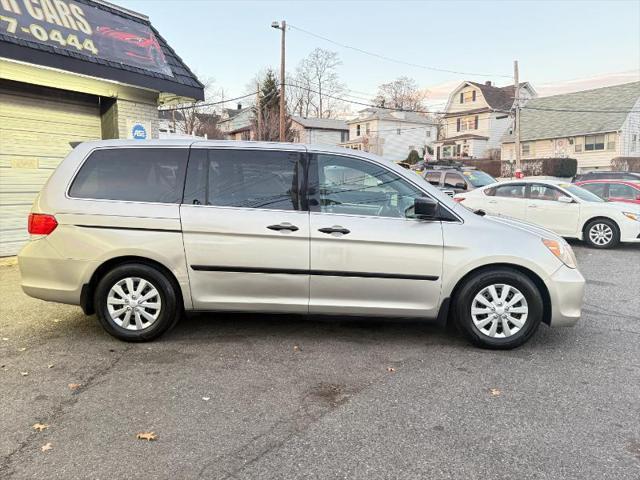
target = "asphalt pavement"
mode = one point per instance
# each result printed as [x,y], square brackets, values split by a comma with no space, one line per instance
[279,397]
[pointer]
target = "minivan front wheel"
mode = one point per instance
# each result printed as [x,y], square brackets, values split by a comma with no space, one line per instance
[136,302]
[499,309]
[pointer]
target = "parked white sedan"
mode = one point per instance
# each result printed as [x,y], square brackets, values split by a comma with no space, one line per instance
[567,209]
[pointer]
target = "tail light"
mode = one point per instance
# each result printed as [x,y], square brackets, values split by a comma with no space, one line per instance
[41,224]
[458,199]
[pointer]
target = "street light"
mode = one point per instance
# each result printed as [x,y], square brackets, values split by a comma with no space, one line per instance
[281,26]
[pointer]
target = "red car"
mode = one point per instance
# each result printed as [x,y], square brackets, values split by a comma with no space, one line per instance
[142,47]
[614,190]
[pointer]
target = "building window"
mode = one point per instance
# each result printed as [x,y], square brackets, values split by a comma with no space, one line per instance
[527,149]
[367,129]
[468,96]
[357,130]
[611,141]
[593,142]
[468,123]
[398,131]
[634,142]
[344,136]
[428,133]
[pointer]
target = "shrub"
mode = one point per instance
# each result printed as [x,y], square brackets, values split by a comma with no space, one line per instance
[626,164]
[552,167]
[413,157]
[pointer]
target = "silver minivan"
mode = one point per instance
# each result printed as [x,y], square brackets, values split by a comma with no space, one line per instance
[140,232]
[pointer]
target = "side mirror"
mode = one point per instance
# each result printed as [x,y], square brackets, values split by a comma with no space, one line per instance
[565,199]
[461,186]
[425,208]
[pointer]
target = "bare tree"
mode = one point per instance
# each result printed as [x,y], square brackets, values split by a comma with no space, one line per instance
[314,85]
[194,117]
[403,93]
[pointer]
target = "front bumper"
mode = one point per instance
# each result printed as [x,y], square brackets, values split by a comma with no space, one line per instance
[566,289]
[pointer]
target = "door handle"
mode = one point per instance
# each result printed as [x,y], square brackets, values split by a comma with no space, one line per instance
[533,206]
[283,226]
[336,229]
[493,201]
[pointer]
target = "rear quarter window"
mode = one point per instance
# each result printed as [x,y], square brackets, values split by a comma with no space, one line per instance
[132,174]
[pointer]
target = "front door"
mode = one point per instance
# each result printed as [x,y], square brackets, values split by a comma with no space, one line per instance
[544,209]
[246,238]
[369,255]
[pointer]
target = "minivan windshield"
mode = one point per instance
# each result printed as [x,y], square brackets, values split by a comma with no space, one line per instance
[581,193]
[478,178]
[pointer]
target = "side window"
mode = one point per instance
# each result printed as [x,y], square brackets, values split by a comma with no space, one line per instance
[243,178]
[619,190]
[351,186]
[596,188]
[433,178]
[509,191]
[452,179]
[132,174]
[544,192]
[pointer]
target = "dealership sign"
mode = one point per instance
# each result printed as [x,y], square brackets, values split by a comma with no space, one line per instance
[83,29]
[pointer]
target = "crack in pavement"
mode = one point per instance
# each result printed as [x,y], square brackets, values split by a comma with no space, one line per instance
[58,412]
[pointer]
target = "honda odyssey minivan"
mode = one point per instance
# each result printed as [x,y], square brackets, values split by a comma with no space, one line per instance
[140,232]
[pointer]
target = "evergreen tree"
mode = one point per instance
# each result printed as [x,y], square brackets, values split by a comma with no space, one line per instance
[270,110]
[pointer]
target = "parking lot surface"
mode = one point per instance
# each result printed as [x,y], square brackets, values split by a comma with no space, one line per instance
[246,396]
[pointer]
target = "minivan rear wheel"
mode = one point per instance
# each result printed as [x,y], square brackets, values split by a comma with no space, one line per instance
[136,302]
[498,309]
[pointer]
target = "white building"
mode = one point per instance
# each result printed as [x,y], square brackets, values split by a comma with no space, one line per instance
[391,134]
[325,131]
[592,126]
[476,118]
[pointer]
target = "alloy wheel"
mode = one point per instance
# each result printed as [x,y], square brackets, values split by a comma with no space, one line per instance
[134,303]
[601,234]
[499,310]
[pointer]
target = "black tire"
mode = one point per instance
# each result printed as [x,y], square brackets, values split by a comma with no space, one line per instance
[474,285]
[171,306]
[598,223]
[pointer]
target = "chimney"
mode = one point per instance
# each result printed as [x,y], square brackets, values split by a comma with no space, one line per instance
[488,83]
[239,106]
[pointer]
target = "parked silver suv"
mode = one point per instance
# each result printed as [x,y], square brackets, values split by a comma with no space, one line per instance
[139,232]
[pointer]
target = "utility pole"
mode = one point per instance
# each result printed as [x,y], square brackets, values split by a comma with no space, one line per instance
[516,78]
[283,27]
[258,112]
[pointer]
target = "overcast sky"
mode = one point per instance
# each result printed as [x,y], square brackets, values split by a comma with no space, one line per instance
[561,45]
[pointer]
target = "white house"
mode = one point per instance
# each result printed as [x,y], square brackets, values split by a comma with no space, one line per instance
[592,126]
[476,118]
[326,131]
[391,134]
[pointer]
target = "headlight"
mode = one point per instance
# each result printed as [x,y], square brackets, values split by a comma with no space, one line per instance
[562,250]
[632,216]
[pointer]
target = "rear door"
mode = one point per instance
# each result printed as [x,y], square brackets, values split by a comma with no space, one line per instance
[369,255]
[621,192]
[507,200]
[544,209]
[246,237]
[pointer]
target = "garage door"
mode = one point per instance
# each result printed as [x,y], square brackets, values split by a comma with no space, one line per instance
[36,126]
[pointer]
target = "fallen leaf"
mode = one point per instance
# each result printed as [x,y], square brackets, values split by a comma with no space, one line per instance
[296,348]
[74,386]
[24,374]
[206,399]
[40,426]
[5,339]
[149,436]
[22,349]
[46,446]
[50,365]
[495,392]
[391,369]
[57,320]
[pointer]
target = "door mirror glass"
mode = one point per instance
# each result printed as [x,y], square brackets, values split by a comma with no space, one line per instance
[425,208]
[461,186]
[565,199]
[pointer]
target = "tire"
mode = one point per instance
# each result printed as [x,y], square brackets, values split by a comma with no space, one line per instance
[601,233]
[162,309]
[477,327]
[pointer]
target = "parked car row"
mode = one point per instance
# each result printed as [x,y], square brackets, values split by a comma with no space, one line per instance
[567,209]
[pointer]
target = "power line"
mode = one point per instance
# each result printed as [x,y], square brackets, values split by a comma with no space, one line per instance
[394,60]
[209,104]
[570,110]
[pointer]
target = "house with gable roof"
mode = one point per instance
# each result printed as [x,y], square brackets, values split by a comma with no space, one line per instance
[475,119]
